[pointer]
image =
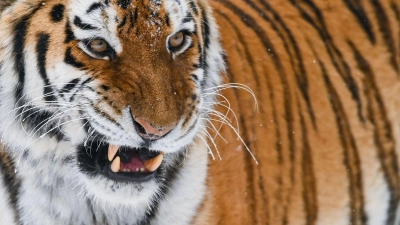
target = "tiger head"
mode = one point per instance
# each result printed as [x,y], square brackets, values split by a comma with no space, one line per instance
[120,88]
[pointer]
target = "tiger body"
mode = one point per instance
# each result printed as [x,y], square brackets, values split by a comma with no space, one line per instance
[326,133]
[324,137]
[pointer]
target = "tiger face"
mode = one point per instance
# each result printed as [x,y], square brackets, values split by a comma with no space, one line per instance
[113,94]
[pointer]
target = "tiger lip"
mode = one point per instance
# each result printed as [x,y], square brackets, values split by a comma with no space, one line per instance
[150,165]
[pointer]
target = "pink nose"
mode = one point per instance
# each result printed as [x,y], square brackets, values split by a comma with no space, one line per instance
[149,132]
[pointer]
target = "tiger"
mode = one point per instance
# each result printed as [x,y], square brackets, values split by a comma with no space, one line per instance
[103,109]
[199,112]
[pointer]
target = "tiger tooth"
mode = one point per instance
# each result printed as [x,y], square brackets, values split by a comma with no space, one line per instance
[116,165]
[152,164]
[112,151]
[142,170]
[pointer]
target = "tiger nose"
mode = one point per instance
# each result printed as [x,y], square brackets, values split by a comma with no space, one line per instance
[148,131]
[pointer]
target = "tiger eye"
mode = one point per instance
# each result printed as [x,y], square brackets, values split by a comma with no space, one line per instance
[98,45]
[176,40]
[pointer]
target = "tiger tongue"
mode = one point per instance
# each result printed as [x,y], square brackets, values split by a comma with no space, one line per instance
[138,165]
[135,164]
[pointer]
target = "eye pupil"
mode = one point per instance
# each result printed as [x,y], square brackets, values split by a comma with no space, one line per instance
[176,40]
[98,45]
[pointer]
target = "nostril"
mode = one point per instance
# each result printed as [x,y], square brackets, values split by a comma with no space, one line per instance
[148,131]
[140,129]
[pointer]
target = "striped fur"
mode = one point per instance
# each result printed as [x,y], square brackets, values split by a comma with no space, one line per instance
[326,134]
[325,74]
[62,104]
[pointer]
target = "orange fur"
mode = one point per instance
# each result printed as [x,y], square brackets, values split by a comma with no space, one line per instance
[321,161]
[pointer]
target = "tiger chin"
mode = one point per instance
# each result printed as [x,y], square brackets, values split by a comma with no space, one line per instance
[103,103]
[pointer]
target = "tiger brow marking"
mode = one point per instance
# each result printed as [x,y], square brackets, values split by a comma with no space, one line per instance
[94,7]
[84,26]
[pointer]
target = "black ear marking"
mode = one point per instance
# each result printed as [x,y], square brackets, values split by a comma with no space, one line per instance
[124,3]
[57,13]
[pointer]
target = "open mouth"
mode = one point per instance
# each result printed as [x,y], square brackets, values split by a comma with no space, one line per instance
[121,163]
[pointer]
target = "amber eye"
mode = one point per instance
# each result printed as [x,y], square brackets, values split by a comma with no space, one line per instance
[176,40]
[98,45]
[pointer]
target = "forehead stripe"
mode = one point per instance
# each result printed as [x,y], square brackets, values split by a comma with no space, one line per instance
[193,7]
[188,18]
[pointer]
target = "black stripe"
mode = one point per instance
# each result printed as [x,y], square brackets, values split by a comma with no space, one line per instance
[249,59]
[123,22]
[203,51]
[134,17]
[358,10]
[84,26]
[206,30]
[167,20]
[385,29]
[292,49]
[314,16]
[193,7]
[42,48]
[57,13]
[20,31]
[69,59]
[124,3]
[187,18]
[94,7]
[70,85]
[10,181]
[69,35]
[308,176]
[82,85]
[269,47]
[383,134]
[351,158]
[40,121]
